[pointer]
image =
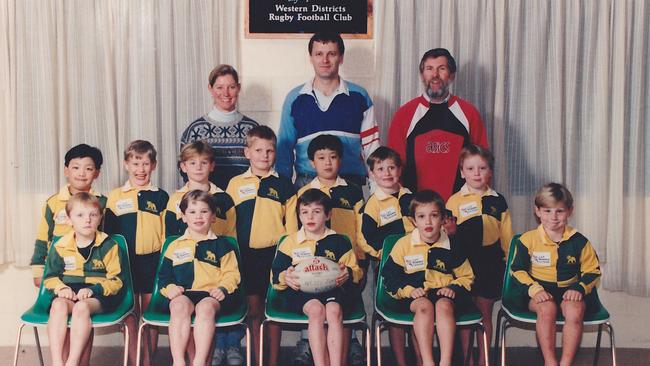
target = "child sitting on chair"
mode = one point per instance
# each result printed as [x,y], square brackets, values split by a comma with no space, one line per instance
[199,275]
[84,276]
[315,239]
[428,271]
[557,268]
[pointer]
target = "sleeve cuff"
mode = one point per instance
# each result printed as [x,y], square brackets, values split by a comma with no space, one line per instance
[578,287]
[60,287]
[407,290]
[38,270]
[97,289]
[534,289]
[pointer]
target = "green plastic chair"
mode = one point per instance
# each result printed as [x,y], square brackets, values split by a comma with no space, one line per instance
[387,309]
[275,312]
[39,313]
[157,313]
[512,316]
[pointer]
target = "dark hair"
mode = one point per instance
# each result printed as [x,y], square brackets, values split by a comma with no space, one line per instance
[83,198]
[260,132]
[317,196]
[327,37]
[472,150]
[222,70]
[322,142]
[140,147]
[438,52]
[383,153]
[201,196]
[85,151]
[424,197]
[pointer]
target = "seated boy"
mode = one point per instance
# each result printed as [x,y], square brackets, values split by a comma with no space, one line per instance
[386,213]
[556,269]
[261,199]
[84,277]
[197,161]
[429,273]
[315,239]
[199,275]
[82,165]
[325,152]
[135,211]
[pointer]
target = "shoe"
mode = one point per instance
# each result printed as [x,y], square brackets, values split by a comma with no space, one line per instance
[218,356]
[234,356]
[303,354]
[356,354]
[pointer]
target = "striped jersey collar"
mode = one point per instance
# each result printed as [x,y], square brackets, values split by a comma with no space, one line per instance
[213,188]
[318,185]
[568,233]
[187,236]
[249,173]
[64,193]
[301,235]
[67,240]
[308,87]
[464,190]
[381,195]
[128,187]
[443,241]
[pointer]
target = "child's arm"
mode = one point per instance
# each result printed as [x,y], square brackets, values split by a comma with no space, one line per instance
[520,267]
[281,265]
[397,281]
[506,232]
[170,221]
[56,267]
[348,262]
[231,221]
[166,276]
[589,270]
[464,277]
[230,275]
[291,215]
[371,239]
[112,284]
[43,238]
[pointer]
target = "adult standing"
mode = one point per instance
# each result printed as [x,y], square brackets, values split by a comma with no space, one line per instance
[429,131]
[326,104]
[224,127]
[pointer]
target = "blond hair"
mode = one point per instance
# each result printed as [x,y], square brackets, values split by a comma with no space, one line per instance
[83,198]
[140,147]
[196,148]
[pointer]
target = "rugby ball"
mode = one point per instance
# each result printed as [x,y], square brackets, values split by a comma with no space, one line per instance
[317,274]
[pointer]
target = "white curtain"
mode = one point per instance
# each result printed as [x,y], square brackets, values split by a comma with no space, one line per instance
[564,89]
[102,72]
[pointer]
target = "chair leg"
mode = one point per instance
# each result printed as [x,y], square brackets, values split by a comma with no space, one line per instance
[503,343]
[126,344]
[378,341]
[261,355]
[470,346]
[138,348]
[368,345]
[486,355]
[597,353]
[38,346]
[612,343]
[20,332]
[249,351]
[495,353]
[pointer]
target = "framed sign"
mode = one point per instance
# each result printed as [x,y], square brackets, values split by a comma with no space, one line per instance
[301,18]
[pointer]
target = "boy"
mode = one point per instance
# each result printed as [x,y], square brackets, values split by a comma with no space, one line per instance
[429,273]
[196,160]
[324,153]
[261,198]
[315,239]
[556,269]
[84,277]
[199,275]
[484,230]
[82,166]
[135,211]
[386,213]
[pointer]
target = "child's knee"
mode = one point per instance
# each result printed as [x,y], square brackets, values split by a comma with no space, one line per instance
[59,306]
[315,310]
[333,311]
[547,310]
[180,307]
[81,309]
[422,306]
[445,306]
[573,310]
[207,308]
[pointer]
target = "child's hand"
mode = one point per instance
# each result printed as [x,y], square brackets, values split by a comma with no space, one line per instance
[418,292]
[343,276]
[84,293]
[572,295]
[291,278]
[449,223]
[218,294]
[66,293]
[446,292]
[542,296]
[175,292]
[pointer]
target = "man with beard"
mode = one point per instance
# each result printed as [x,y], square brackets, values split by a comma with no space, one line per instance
[430,130]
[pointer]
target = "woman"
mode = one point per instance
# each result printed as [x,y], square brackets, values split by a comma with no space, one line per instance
[224,128]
